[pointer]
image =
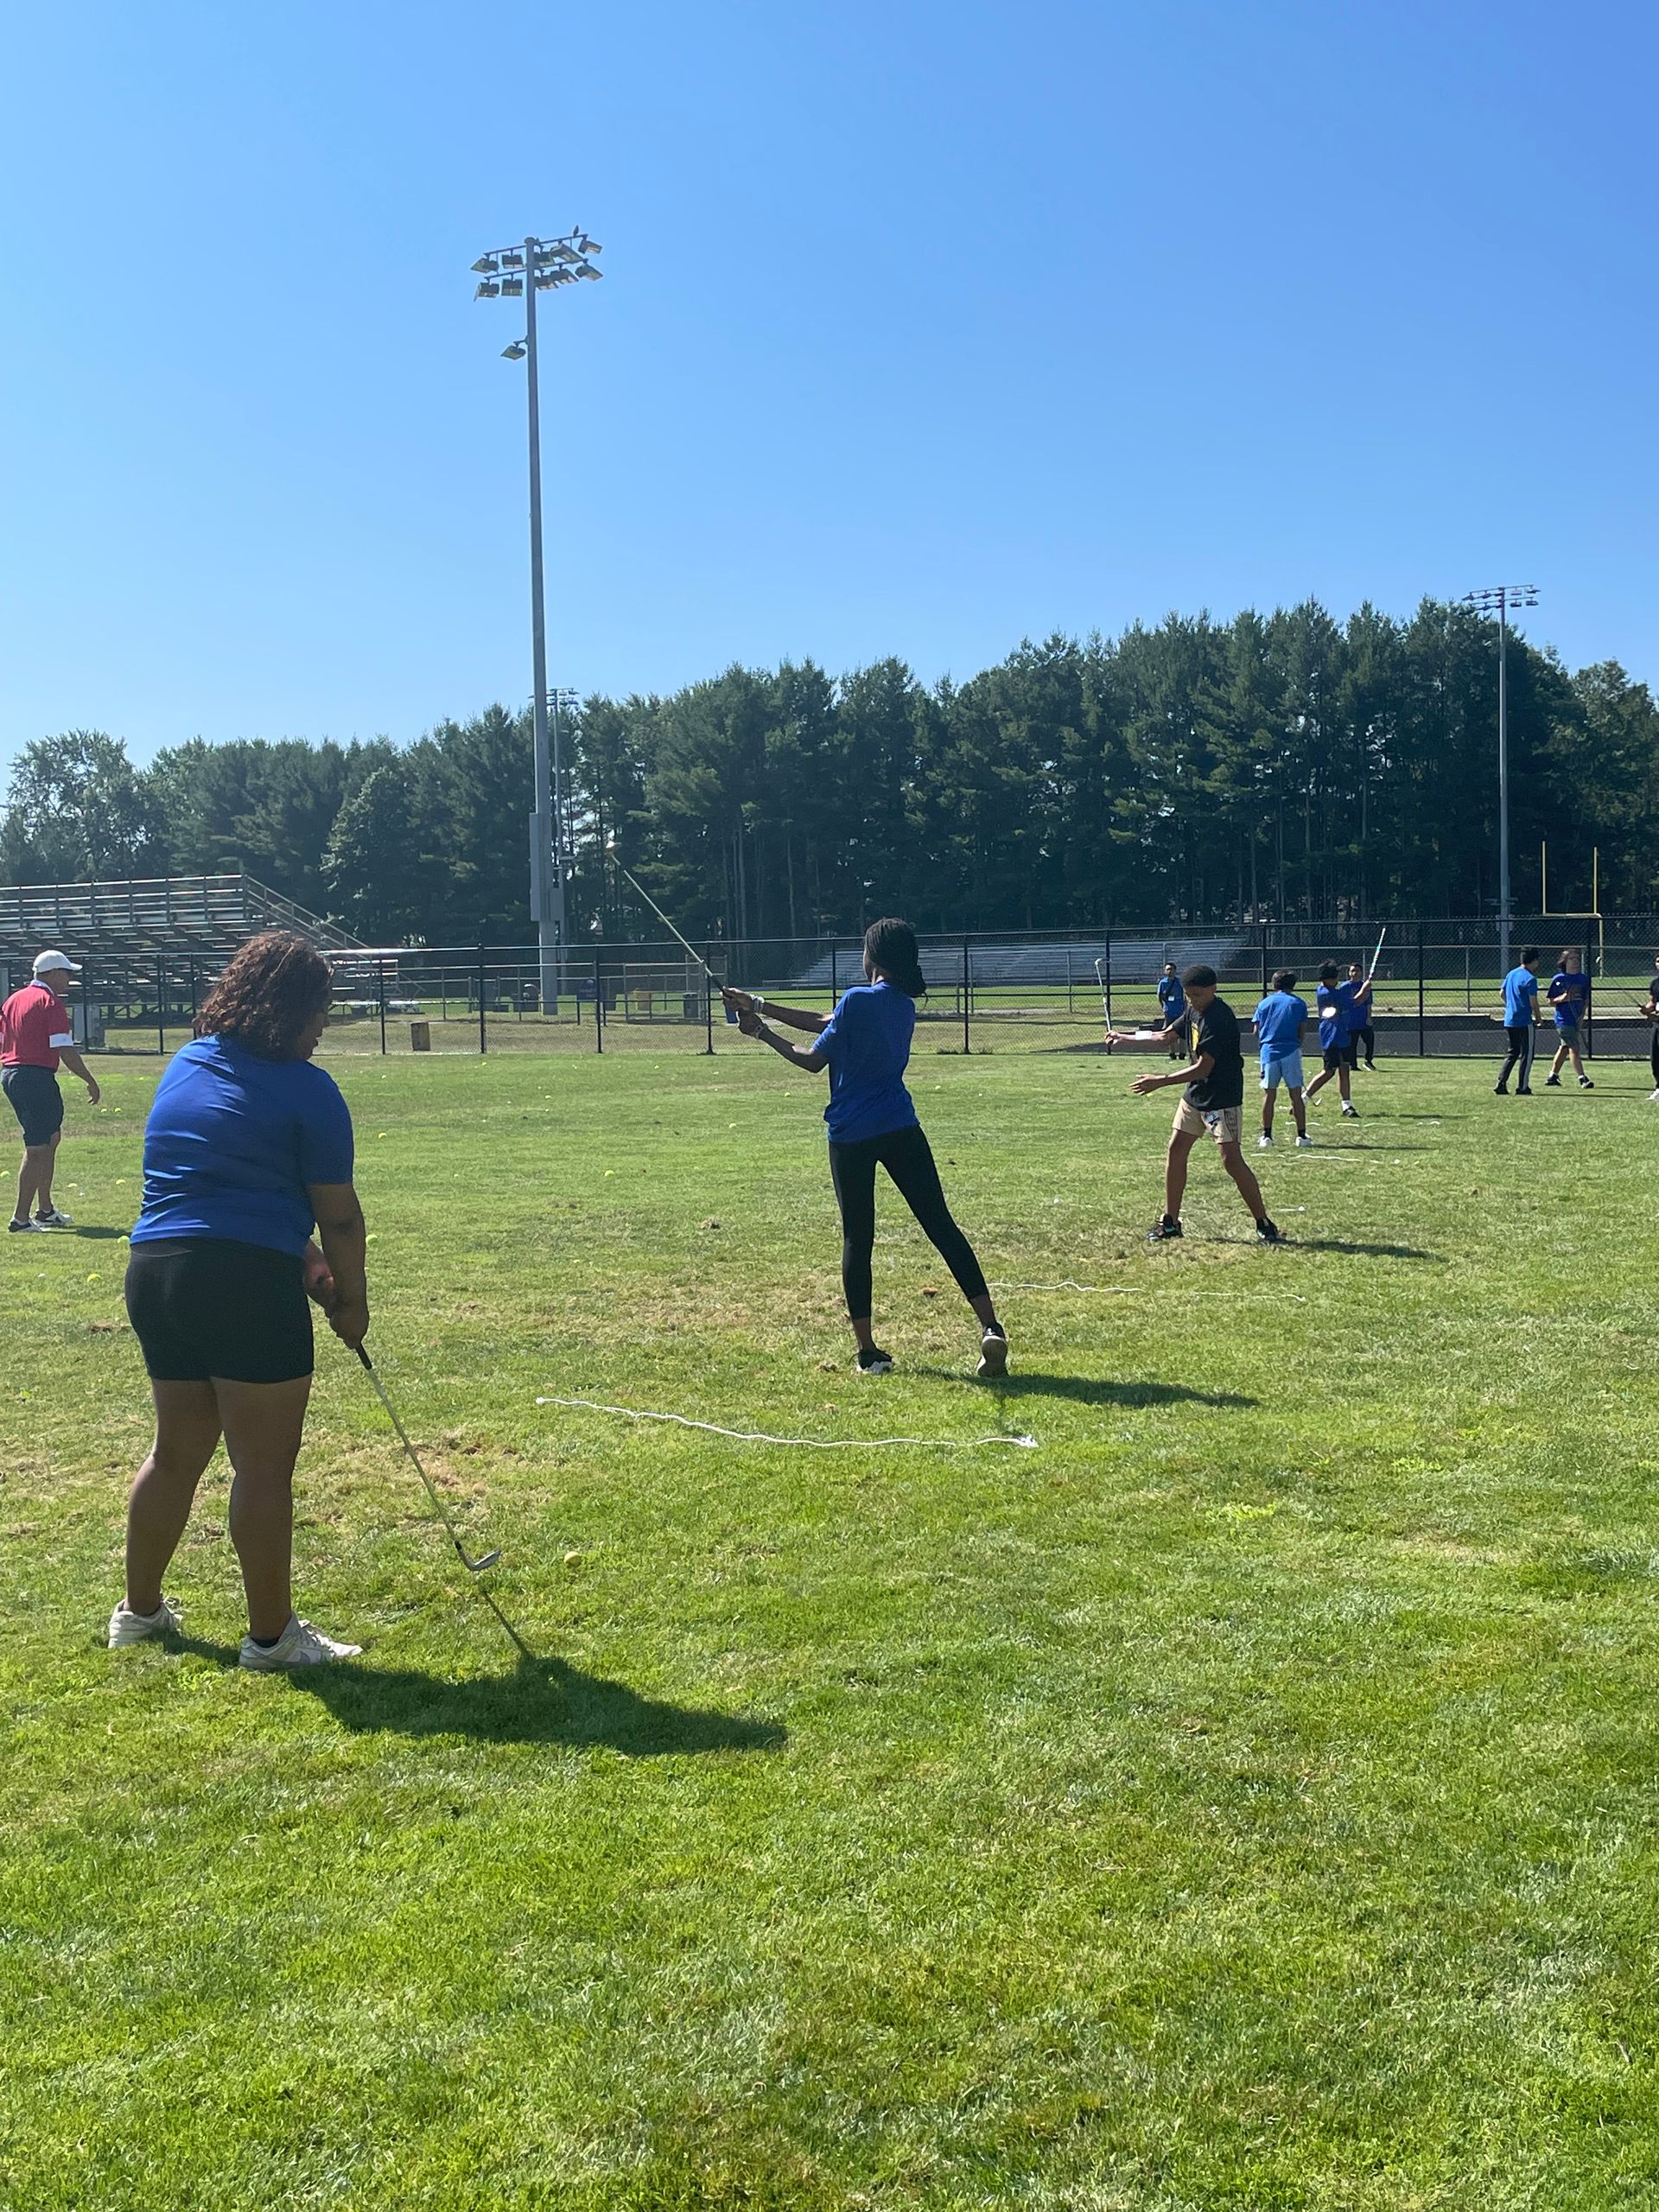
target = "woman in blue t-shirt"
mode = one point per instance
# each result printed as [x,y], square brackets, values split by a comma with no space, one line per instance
[865,1044]
[247,1145]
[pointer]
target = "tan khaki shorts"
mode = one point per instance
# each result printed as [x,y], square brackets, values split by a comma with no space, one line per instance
[1224,1123]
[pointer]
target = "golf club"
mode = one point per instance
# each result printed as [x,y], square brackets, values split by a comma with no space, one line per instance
[473,1565]
[611,853]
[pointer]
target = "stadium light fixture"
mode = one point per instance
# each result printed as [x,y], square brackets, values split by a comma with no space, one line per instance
[1502,600]
[540,265]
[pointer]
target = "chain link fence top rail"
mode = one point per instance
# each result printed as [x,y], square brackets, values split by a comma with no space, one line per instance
[1438,987]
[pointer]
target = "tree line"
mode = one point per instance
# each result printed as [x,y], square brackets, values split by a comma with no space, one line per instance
[1272,767]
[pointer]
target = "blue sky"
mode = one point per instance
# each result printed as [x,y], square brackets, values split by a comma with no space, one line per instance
[926,327]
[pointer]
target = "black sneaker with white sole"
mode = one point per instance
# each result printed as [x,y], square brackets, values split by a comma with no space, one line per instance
[874,1361]
[1166,1228]
[1584,1084]
[1268,1232]
[1552,1083]
[992,1354]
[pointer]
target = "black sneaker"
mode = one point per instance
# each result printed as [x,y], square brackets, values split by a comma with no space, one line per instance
[1165,1230]
[1500,1090]
[875,1361]
[1268,1232]
[1584,1084]
[1552,1083]
[1523,1091]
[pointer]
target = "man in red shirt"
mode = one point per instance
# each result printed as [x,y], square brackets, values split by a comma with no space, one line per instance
[36,1033]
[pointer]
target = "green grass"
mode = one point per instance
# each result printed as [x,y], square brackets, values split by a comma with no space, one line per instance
[1245,1800]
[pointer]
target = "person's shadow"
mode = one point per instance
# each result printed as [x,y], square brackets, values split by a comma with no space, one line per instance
[540,1701]
[1090,1392]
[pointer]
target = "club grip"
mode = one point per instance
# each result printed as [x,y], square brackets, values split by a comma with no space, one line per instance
[364,1356]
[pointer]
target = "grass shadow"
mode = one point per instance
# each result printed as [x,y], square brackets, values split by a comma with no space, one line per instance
[542,1702]
[1120,1394]
[1363,1251]
[92,1236]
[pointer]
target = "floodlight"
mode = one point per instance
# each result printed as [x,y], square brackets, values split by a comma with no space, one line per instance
[513,352]
[589,246]
[512,287]
[589,269]
[513,261]
[487,291]
[485,264]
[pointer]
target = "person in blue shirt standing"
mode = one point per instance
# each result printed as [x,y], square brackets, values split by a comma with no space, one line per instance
[247,1148]
[872,1121]
[1171,1000]
[1519,1019]
[1341,1012]
[1569,994]
[1279,1019]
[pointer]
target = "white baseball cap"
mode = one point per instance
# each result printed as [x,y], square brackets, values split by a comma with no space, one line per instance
[54,964]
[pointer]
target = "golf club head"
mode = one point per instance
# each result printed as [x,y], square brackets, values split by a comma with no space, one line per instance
[478,1565]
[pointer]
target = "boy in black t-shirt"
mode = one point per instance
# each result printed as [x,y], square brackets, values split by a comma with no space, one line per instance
[1213,1100]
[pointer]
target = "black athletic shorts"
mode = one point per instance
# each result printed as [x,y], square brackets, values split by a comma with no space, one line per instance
[1340,1056]
[204,1307]
[36,1100]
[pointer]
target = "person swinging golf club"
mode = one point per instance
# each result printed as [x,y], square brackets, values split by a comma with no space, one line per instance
[246,1146]
[872,1121]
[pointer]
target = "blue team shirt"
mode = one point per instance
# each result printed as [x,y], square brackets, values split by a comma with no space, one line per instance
[1575,993]
[1520,997]
[1338,1015]
[1279,1019]
[867,1046]
[231,1142]
[1171,996]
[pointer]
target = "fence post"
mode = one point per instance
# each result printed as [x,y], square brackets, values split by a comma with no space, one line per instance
[1589,998]
[380,978]
[1423,1037]
[834,989]
[1106,1010]
[1071,996]
[967,989]
[483,1033]
[1263,928]
[708,1007]
[160,1007]
[195,995]
[599,1009]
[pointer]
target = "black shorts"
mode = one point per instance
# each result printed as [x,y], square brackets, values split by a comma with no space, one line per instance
[203,1307]
[1340,1056]
[36,1100]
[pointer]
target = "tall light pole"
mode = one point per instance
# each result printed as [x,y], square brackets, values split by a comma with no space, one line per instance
[1499,601]
[512,273]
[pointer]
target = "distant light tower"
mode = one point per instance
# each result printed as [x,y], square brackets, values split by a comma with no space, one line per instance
[1499,601]
[512,273]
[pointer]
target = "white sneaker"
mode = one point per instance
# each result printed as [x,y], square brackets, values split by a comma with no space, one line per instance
[299,1645]
[54,1219]
[1350,1113]
[1304,1144]
[34,1228]
[992,1353]
[128,1627]
[1652,1097]
[1264,1143]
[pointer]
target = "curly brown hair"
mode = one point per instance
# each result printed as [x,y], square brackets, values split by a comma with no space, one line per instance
[268,991]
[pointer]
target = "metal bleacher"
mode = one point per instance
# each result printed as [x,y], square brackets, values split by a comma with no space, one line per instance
[210,914]
[1036,967]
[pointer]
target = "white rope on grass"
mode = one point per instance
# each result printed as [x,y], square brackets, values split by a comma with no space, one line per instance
[804,1443]
[1142,1290]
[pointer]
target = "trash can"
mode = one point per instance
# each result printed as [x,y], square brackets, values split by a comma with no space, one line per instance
[420,1036]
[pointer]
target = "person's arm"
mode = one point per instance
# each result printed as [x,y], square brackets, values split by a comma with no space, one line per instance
[791,1017]
[1195,1074]
[76,1065]
[811,1057]
[1362,991]
[1158,1038]
[345,1252]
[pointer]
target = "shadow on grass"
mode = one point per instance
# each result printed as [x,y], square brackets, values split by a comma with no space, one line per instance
[93,1236]
[540,1701]
[1123,1394]
[1363,1251]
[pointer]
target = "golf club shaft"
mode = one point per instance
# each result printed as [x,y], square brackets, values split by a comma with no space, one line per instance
[403,1437]
[1376,955]
[662,918]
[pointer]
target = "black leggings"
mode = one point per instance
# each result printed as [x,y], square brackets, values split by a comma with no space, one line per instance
[1520,1054]
[1366,1041]
[908,1158]
[1653,1056]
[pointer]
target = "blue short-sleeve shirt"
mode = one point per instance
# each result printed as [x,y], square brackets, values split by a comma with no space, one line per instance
[1338,1016]
[1520,997]
[866,1043]
[1171,996]
[1279,1019]
[231,1142]
[1570,990]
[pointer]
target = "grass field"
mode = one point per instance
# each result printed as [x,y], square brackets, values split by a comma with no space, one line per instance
[1246,1799]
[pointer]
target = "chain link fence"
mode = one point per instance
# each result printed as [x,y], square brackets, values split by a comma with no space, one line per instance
[1438,988]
